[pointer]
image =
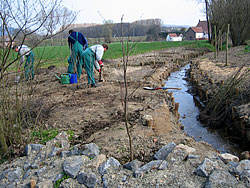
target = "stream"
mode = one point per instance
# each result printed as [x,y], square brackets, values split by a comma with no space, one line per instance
[189,113]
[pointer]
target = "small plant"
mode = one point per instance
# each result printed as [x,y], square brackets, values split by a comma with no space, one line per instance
[44,136]
[71,134]
[247,48]
[2,160]
[58,182]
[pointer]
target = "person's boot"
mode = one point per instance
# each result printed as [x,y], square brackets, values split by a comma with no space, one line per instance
[95,85]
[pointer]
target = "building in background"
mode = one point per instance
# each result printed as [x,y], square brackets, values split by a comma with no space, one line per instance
[174,37]
[200,32]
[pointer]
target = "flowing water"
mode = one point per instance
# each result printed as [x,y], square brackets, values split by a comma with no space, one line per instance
[189,112]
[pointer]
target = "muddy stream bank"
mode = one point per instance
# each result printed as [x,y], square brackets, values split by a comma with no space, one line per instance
[189,110]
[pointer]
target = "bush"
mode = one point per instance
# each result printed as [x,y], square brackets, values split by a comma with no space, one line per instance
[247,48]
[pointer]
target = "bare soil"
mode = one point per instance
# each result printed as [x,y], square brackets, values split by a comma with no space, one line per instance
[97,114]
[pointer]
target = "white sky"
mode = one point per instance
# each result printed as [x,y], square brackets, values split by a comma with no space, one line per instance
[174,12]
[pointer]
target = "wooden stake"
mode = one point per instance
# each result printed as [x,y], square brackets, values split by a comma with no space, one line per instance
[206,93]
[32,183]
[237,91]
[172,99]
[242,126]
[215,43]
[171,95]
[227,44]
[222,82]
[176,108]
[233,113]
[221,40]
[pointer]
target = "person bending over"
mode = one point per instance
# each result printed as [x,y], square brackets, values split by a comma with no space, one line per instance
[25,51]
[92,57]
[77,44]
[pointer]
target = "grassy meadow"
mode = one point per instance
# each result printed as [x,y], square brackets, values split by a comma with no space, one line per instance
[115,49]
[57,55]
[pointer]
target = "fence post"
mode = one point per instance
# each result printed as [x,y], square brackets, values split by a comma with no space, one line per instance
[227,44]
[220,40]
[215,43]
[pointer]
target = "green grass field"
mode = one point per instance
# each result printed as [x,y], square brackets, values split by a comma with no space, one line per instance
[58,55]
[115,49]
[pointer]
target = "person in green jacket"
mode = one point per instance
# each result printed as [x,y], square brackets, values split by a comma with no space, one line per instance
[77,44]
[25,51]
[92,57]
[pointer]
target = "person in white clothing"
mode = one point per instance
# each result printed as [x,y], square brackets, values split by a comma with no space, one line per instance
[25,51]
[92,57]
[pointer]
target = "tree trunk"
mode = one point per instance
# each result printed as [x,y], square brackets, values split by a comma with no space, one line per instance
[125,100]
[208,22]
[215,43]
[3,140]
[227,45]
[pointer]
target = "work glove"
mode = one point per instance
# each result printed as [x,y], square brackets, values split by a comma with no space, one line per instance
[19,69]
[100,63]
[99,70]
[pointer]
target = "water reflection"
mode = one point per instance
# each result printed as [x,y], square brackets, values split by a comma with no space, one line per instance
[189,113]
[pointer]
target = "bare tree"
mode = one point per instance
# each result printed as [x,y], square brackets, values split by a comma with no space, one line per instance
[125,54]
[207,12]
[20,21]
[208,20]
[65,20]
[51,23]
[30,17]
[107,31]
[153,33]
[239,20]
[224,12]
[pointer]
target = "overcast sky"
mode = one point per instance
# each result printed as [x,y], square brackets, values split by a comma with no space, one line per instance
[175,12]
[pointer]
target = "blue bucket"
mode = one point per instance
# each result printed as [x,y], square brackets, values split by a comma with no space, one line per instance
[73,78]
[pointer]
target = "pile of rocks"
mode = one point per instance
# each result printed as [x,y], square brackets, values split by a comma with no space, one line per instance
[57,165]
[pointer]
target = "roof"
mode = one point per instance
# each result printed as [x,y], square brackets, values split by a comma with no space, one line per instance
[172,35]
[203,25]
[197,29]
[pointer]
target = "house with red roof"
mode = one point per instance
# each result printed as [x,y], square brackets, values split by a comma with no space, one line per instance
[200,32]
[173,37]
[203,25]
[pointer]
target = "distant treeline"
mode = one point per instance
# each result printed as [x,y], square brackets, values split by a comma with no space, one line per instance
[141,30]
[134,29]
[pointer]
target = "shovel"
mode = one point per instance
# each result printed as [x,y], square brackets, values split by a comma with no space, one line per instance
[100,75]
[156,88]
[17,79]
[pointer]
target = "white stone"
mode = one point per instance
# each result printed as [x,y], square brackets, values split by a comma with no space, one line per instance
[226,157]
[188,149]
